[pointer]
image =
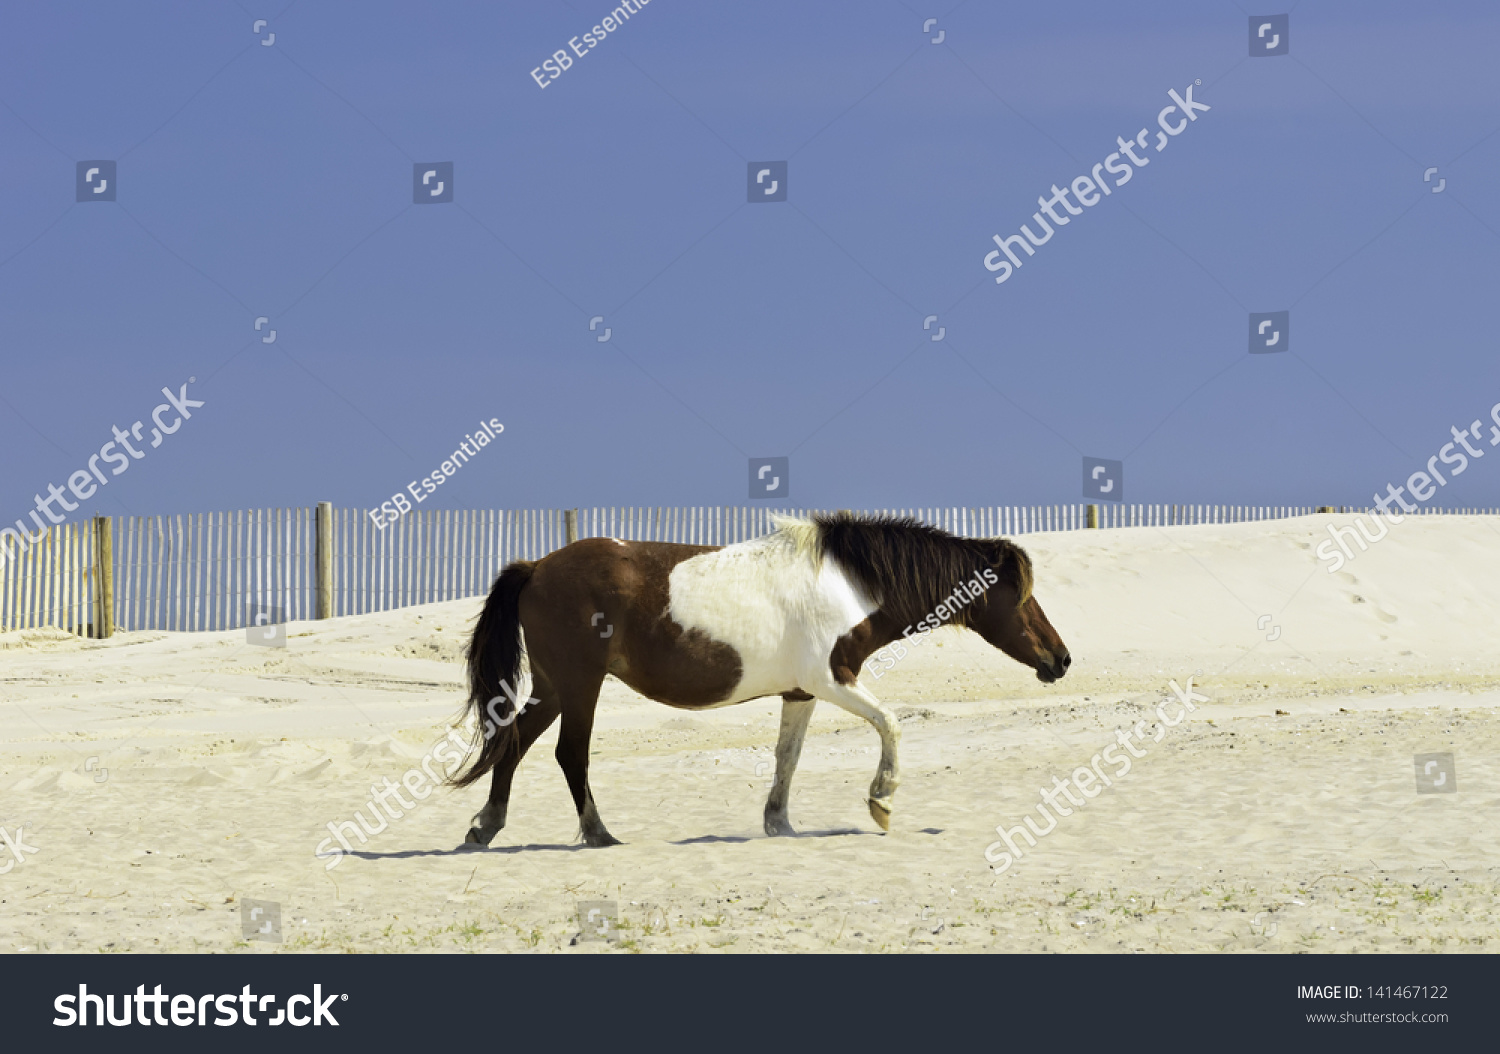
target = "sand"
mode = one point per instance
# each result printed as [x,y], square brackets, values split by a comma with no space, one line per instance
[163,779]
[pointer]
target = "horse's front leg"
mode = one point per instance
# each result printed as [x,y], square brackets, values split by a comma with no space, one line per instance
[861,702]
[796,712]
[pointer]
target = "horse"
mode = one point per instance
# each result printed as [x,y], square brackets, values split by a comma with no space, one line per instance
[794,613]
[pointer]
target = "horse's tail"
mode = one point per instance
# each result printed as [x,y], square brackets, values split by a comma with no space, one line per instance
[494,659]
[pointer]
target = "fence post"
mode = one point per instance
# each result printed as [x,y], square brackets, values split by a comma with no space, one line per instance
[570,523]
[324,559]
[104,577]
[1093,516]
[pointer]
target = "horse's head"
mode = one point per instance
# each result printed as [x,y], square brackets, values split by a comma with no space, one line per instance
[1009,617]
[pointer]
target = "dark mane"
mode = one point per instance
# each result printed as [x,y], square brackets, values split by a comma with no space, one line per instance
[909,568]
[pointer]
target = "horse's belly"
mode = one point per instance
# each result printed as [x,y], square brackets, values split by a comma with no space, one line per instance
[761,676]
[700,673]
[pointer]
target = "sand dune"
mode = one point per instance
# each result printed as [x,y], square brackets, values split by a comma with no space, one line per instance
[164,778]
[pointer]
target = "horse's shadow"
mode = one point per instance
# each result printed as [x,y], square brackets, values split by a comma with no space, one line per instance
[465,848]
[574,847]
[735,839]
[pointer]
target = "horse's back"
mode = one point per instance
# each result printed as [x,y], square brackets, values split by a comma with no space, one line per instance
[778,604]
[691,625]
[601,605]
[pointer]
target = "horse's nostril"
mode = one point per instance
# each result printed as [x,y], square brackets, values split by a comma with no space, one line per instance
[1067,660]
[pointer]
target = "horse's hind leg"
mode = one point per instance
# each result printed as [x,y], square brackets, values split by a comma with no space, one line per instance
[796,712]
[579,693]
[530,724]
[860,701]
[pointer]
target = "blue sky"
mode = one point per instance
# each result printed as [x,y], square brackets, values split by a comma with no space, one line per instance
[277,180]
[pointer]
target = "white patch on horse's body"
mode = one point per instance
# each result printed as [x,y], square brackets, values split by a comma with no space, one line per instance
[775,604]
[619,543]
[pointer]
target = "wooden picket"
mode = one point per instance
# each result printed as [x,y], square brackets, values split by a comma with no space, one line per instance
[207,571]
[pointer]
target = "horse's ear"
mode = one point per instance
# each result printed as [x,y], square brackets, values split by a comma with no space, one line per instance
[1014,568]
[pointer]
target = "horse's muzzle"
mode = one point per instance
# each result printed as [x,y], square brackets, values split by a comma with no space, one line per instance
[1054,670]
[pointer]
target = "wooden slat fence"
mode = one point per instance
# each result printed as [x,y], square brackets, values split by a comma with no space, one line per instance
[51,581]
[206,571]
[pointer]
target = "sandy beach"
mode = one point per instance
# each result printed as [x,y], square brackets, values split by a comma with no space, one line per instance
[162,779]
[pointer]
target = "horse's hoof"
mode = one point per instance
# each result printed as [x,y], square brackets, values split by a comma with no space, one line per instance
[778,827]
[601,840]
[479,836]
[880,812]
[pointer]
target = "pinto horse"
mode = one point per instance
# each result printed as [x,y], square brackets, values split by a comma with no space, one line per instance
[794,613]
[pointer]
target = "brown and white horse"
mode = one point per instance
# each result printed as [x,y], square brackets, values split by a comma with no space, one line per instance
[794,613]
